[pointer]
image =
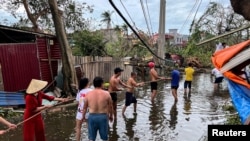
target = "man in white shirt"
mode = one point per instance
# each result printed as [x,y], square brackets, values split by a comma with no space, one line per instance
[218,77]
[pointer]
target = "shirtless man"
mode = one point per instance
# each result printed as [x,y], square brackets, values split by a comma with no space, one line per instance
[130,98]
[153,77]
[114,84]
[99,103]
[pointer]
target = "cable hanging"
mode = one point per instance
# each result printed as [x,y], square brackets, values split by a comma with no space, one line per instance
[145,16]
[125,20]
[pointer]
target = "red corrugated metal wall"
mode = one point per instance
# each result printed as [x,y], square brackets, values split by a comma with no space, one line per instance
[48,58]
[19,65]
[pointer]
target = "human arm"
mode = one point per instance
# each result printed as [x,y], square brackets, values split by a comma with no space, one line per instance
[110,109]
[124,85]
[155,75]
[7,123]
[85,108]
[135,84]
[42,95]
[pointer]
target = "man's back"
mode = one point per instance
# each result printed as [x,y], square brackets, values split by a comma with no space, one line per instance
[175,74]
[189,71]
[98,101]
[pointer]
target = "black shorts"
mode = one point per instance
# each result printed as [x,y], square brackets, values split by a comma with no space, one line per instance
[218,79]
[130,99]
[153,86]
[174,87]
[113,96]
[188,84]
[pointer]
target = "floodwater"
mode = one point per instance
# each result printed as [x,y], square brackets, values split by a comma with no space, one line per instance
[165,120]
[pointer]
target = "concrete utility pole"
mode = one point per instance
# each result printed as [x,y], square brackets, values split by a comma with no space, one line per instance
[161,39]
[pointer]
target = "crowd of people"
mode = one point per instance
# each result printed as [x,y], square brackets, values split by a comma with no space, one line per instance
[97,106]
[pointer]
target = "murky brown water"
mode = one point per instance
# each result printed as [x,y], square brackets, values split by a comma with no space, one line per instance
[164,120]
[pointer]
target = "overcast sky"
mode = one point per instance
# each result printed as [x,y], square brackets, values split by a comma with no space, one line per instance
[179,13]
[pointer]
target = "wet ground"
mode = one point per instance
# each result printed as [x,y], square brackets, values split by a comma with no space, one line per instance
[164,120]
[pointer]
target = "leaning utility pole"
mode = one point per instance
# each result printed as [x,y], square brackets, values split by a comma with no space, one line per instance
[161,39]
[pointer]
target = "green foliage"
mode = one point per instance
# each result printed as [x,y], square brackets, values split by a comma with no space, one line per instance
[8,113]
[40,14]
[88,43]
[232,119]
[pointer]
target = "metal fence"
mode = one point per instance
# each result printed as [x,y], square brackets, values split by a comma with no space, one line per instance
[102,66]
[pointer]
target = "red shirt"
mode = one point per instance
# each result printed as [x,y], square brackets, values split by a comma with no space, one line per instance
[32,102]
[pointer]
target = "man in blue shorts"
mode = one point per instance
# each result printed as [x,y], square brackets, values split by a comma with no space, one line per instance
[100,107]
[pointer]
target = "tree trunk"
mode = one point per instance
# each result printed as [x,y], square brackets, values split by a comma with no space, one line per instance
[68,71]
[241,7]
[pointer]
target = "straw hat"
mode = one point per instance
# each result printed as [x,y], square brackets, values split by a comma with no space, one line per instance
[35,86]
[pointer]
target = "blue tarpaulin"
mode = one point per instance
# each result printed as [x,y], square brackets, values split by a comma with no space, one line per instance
[240,96]
[11,98]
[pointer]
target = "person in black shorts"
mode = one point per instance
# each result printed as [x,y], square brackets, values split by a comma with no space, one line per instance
[153,77]
[130,98]
[114,84]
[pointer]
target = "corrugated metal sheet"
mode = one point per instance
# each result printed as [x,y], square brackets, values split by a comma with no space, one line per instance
[11,98]
[21,62]
[48,56]
[19,65]
[55,50]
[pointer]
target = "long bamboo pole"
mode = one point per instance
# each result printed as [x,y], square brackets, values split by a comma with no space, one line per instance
[223,35]
[47,108]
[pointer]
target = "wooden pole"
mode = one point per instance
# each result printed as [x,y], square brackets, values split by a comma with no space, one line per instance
[47,108]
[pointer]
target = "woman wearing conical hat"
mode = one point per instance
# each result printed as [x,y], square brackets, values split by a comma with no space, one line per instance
[33,128]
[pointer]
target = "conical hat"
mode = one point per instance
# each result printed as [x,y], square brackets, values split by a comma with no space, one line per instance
[35,86]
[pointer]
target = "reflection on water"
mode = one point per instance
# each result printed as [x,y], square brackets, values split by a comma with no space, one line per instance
[173,116]
[113,131]
[129,125]
[163,120]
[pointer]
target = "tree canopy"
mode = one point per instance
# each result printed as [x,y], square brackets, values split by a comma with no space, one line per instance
[89,43]
[38,14]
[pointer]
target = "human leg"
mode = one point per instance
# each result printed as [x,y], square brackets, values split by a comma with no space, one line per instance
[78,129]
[189,87]
[92,128]
[134,100]
[135,105]
[102,123]
[115,109]
[114,100]
[124,109]
[174,92]
[127,101]
[153,95]
[185,87]
[153,90]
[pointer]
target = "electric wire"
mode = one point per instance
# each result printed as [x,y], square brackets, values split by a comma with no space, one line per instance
[197,10]
[188,17]
[149,18]
[125,20]
[128,13]
[145,16]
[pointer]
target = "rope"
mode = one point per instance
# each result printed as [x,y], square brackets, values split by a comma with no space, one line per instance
[155,80]
[47,108]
